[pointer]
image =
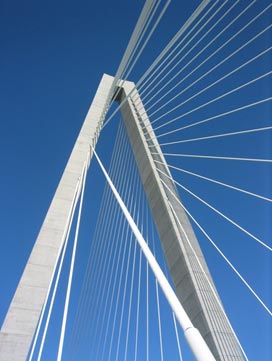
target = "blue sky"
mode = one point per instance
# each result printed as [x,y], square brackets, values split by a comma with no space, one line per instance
[53,55]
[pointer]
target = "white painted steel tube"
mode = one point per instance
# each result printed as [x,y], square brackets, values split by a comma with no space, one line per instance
[197,344]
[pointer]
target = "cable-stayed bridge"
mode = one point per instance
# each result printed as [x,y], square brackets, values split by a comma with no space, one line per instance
[199,99]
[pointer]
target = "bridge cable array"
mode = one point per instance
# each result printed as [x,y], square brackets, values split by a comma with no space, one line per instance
[217,99]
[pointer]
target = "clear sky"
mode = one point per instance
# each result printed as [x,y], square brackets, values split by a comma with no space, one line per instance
[53,55]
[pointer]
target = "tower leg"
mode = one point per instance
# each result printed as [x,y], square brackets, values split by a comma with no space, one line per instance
[24,311]
[194,286]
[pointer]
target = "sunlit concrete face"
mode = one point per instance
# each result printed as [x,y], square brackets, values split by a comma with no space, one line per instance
[192,284]
[23,315]
[189,271]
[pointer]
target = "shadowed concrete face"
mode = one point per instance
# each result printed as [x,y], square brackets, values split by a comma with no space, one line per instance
[189,271]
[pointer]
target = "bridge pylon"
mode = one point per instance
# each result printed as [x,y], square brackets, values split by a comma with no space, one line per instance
[189,271]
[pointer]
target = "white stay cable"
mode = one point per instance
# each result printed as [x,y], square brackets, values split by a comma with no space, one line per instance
[214,136]
[244,85]
[247,106]
[217,182]
[193,337]
[62,250]
[217,157]
[67,298]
